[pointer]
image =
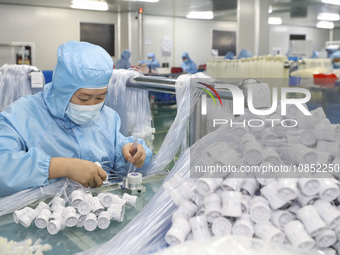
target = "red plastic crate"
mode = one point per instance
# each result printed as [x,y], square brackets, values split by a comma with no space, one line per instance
[176,70]
[325,80]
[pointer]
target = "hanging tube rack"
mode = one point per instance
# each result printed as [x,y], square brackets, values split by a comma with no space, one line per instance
[197,122]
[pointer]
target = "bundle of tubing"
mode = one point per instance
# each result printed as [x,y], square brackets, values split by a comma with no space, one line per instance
[186,98]
[145,234]
[131,104]
[14,83]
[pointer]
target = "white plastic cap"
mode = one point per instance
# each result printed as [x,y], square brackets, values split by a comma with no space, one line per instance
[199,228]
[280,218]
[96,206]
[231,203]
[185,210]
[84,208]
[326,238]
[54,226]
[43,218]
[134,178]
[81,220]
[309,186]
[90,223]
[268,232]
[41,205]
[17,214]
[104,220]
[130,200]
[178,232]
[27,218]
[297,235]
[206,186]
[221,226]
[243,227]
[259,209]
[77,196]
[105,199]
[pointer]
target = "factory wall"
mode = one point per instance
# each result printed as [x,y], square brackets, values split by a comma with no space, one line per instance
[279,36]
[192,36]
[47,28]
[336,34]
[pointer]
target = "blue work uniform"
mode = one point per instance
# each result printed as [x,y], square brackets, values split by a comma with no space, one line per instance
[153,63]
[336,54]
[189,66]
[123,62]
[35,128]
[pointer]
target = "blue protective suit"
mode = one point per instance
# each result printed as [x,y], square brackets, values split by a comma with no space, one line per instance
[189,66]
[230,55]
[35,128]
[153,64]
[336,54]
[123,62]
[244,54]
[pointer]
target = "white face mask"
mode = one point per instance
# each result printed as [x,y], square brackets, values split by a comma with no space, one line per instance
[82,114]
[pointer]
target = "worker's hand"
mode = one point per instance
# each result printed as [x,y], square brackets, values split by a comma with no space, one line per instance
[137,159]
[85,172]
[143,65]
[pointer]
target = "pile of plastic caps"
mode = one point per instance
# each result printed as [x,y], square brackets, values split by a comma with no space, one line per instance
[301,212]
[83,210]
[24,247]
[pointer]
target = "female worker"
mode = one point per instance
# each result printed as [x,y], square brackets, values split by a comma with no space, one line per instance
[63,130]
[188,65]
[123,62]
[151,64]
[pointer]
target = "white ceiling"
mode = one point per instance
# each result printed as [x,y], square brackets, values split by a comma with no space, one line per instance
[293,12]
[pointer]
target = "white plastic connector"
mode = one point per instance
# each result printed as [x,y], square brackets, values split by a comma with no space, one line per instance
[280,218]
[130,200]
[56,225]
[243,226]
[259,209]
[90,222]
[298,236]
[212,207]
[199,228]
[287,188]
[105,199]
[104,220]
[231,203]
[178,232]
[206,186]
[221,226]
[268,232]
[27,217]
[311,220]
[185,210]
[70,216]
[77,196]
[42,220]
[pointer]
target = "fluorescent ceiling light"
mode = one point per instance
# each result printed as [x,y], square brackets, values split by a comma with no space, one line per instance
[336,2]
[274,21]
[325,24]
[200,15]
[149,1]
[329,16]
[90,5]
